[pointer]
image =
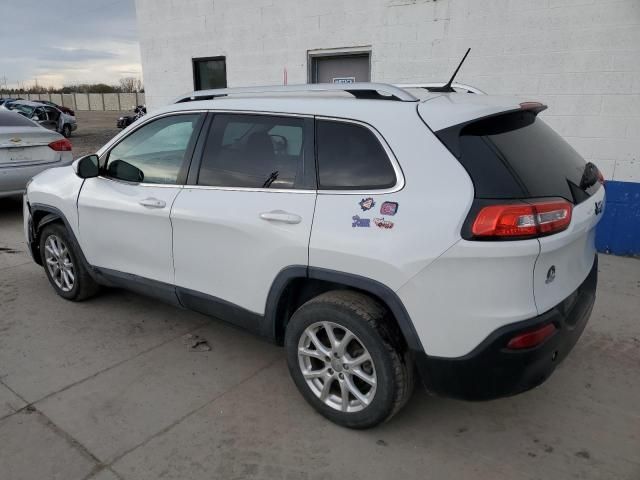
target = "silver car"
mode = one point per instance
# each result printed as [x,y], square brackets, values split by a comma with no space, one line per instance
[48,116]
[26,149]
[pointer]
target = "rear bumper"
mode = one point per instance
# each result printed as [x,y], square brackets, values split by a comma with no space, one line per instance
[13,179]
[492,371]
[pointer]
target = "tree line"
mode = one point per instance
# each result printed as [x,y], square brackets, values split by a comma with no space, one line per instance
[126,85]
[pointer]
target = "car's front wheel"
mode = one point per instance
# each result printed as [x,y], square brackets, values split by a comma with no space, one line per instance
[343,356]
[66,273]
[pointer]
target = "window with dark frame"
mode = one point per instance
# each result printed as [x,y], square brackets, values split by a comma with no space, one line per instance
[210,72]
[255,151]
[350,157]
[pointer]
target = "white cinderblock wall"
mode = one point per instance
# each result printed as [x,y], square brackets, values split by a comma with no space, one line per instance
[581,57]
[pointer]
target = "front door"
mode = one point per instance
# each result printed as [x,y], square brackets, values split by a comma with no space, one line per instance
[247,215]
[124,214]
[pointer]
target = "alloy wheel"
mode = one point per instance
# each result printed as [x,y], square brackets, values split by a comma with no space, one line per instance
[337,367]
[59,263]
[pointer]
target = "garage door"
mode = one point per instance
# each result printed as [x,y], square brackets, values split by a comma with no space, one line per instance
[340,69]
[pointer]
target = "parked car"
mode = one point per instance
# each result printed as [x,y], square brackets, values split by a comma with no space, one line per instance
[138,112]
[400,231]
[63,109]
[47,116]
[27,149]
[5,101]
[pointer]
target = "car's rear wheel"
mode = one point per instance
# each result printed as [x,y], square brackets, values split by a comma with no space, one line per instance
[66,130]
[343,356]
[66,273]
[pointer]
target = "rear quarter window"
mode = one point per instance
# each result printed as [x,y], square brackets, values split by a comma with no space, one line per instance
[350,157]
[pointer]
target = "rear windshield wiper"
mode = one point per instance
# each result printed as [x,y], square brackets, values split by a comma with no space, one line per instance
[272,178]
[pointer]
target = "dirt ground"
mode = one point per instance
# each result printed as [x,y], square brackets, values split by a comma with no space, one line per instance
[94,130]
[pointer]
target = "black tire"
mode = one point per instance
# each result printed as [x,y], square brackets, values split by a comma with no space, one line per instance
[369,321]
[66,130]
[83,285]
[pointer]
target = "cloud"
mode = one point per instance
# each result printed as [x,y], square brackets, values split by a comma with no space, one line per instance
[54,54]
[68,41]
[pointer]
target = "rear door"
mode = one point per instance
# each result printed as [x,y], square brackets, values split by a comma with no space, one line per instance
[247,212]
[123,217]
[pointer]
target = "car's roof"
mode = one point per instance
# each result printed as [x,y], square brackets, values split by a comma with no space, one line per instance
[439,110]
[27,102]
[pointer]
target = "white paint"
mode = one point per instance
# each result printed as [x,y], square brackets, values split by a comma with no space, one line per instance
[456,292]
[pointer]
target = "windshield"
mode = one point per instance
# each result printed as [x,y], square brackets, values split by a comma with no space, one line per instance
[23,109]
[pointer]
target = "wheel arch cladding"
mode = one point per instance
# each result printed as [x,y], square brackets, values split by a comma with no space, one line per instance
[294,286]
[47,215]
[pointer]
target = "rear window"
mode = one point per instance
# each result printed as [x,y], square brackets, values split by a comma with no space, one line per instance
[517,155]
[13,119]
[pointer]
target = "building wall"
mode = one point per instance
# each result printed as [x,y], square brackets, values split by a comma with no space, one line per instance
[581,57]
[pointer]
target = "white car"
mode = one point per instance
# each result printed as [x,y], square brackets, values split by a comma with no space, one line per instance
[27,149]
[374,231]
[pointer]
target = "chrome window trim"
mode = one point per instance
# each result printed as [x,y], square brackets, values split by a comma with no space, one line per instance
[400,182]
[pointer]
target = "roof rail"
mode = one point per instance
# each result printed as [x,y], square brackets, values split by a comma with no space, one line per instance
[362,90]
[429,86]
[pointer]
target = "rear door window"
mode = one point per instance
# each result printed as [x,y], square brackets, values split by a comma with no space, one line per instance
[350,157]
[258,151]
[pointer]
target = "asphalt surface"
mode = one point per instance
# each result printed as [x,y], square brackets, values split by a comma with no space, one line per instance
[107,389]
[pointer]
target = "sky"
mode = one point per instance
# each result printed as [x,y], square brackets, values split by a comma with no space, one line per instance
[62,42]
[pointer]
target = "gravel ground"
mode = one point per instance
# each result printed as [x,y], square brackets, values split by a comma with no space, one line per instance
[94,130]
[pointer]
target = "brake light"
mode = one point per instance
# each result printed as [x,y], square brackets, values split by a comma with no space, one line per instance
[62,145]
[522,220]
[533,338]
[535,107]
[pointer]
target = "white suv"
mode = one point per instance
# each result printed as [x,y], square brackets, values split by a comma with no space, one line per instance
[375,231]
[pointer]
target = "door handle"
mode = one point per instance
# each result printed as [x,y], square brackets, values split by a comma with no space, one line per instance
[153,203]
[281,216]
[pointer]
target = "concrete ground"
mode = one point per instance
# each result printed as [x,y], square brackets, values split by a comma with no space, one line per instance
[106,389]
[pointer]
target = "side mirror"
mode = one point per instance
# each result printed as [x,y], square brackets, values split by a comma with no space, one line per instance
[121,170]
[87,166]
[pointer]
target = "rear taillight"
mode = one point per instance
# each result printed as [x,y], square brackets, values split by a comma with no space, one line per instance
[530,219]
[62,145]
[532,338]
